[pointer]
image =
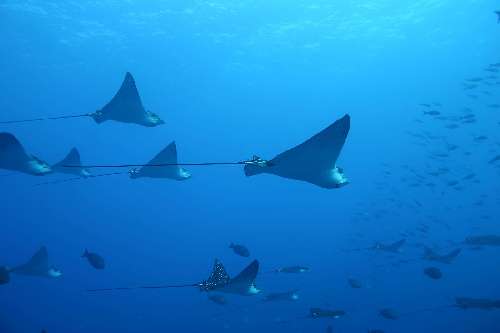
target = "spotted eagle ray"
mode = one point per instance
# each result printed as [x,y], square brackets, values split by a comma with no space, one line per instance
[73,158]
[14,157]
[38,265]
[167,157]
[171,171]
[219,281]
[126,107]
[431,255]
[313,161]
[379,246]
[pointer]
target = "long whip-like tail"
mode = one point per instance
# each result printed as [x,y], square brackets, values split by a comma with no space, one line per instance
[67,180]
[152,165]
[45,118]
[144,287]
[254,161]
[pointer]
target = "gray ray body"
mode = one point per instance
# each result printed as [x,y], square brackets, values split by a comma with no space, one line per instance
[72,159]
[313,161]
[14,157]
[38,265]
[431,255]
[167,156]
[126,106]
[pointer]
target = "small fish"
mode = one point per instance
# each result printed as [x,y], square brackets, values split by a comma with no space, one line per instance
[286,296]
[433,272]
[292,270]
[388,314]
[477,303]
[393,247]
[484,240]
[355,284]
[497,12]
[469,176]
[217,299]
[240,250]
[494,159]
[322,313]
[94,259]
[4,275]
[432,113]
[448,258]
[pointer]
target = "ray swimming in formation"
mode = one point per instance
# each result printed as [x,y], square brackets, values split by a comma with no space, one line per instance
[14,157]
[168,157]
[431,255]
[126,107]
[38,265]
[313,161]
[219,281]
[73,158]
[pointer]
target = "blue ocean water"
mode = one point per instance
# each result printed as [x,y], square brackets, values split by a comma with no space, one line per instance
[234,78]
